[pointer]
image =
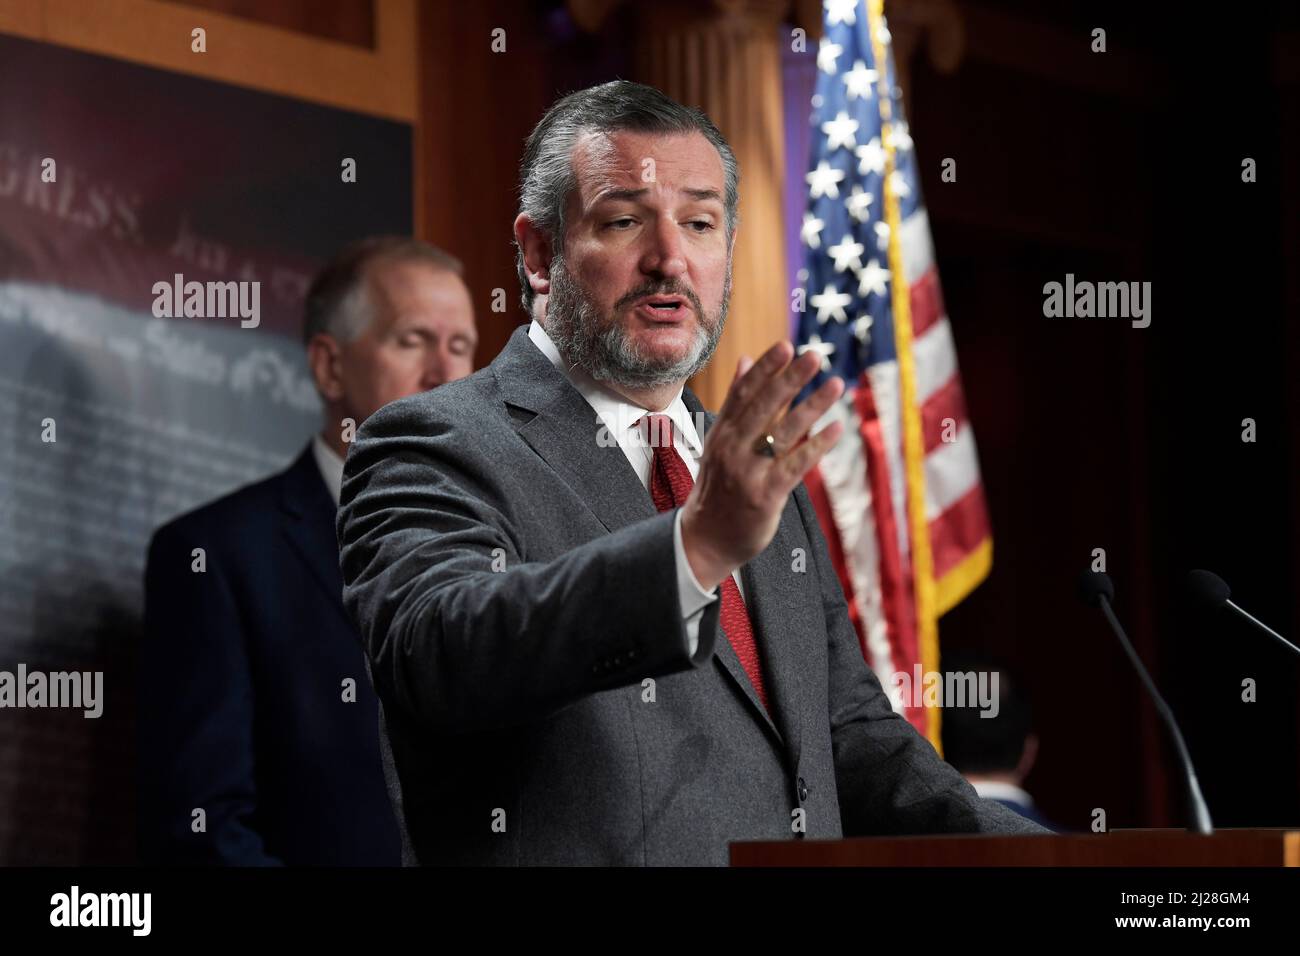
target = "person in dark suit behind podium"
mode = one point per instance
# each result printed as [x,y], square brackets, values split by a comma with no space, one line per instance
[994,752]
[245,710]
[603,625]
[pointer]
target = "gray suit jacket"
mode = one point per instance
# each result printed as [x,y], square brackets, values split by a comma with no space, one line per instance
[516,592]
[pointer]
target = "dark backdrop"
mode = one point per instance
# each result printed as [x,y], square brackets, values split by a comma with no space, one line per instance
[1095,434]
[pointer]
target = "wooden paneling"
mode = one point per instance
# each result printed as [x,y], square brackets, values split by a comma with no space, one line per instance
[380,81]
[347,21]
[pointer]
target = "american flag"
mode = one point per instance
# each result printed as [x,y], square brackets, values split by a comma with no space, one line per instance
[900,497]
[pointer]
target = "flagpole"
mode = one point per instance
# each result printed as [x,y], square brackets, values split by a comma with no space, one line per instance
[927,625]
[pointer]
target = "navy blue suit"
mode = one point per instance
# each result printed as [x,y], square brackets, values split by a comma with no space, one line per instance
[1027,811]
[242,709]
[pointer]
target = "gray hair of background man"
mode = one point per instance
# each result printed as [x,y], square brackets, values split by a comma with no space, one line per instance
[338,302]
[546,175]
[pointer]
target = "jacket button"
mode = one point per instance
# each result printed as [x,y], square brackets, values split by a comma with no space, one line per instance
[803,790]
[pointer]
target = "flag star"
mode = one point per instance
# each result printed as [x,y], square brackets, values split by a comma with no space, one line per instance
[824,349]
[859,81]
[898,182]
[882,234]
[872,157]
[859,203]
[839,131]
[811,231]
[862,329]
[827,54]
[884,34]
[823,180]
[899,138]
[830,304]
[847,254]
[872,279]
[840,11]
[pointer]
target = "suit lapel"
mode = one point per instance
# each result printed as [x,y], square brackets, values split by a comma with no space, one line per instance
[568,438]
[307,520]
[566,434]
[561,427]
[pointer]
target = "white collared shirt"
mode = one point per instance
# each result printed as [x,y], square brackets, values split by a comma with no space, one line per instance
[330,465]
[620,417]
[997,790]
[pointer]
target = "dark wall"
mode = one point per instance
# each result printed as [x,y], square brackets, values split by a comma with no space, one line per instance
[1094,434]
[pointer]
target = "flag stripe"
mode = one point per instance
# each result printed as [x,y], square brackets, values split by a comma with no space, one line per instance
[943,412]
[894,572]
[936,359]
[927,302]
[918,251]
[959,529]
[883,382]
[951,471]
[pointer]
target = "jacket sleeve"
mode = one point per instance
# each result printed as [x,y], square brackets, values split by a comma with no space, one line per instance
[890,780]
[464,632]
[195,714]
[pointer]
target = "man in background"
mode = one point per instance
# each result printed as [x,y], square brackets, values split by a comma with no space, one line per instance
[258,726]
[994,753]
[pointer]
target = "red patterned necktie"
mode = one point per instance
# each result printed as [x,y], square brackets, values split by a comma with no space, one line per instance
[670,484]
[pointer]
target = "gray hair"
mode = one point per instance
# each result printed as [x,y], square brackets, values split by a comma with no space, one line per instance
[338,302]
[546,173]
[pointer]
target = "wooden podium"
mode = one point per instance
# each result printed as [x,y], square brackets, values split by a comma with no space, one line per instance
[1117,848]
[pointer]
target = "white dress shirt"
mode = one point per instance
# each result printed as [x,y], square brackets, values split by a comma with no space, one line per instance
[620,417]
[330,465]
[997,790]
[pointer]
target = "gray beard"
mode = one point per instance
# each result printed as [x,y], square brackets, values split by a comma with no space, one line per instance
[601,347]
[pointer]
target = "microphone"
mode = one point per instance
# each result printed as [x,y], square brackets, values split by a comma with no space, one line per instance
[1096,590]
[1208,590]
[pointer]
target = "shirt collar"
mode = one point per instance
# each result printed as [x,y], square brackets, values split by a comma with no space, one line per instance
[997,790]
[330,465]
[615,411]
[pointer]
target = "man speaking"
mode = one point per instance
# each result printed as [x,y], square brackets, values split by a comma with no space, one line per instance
[580,595]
